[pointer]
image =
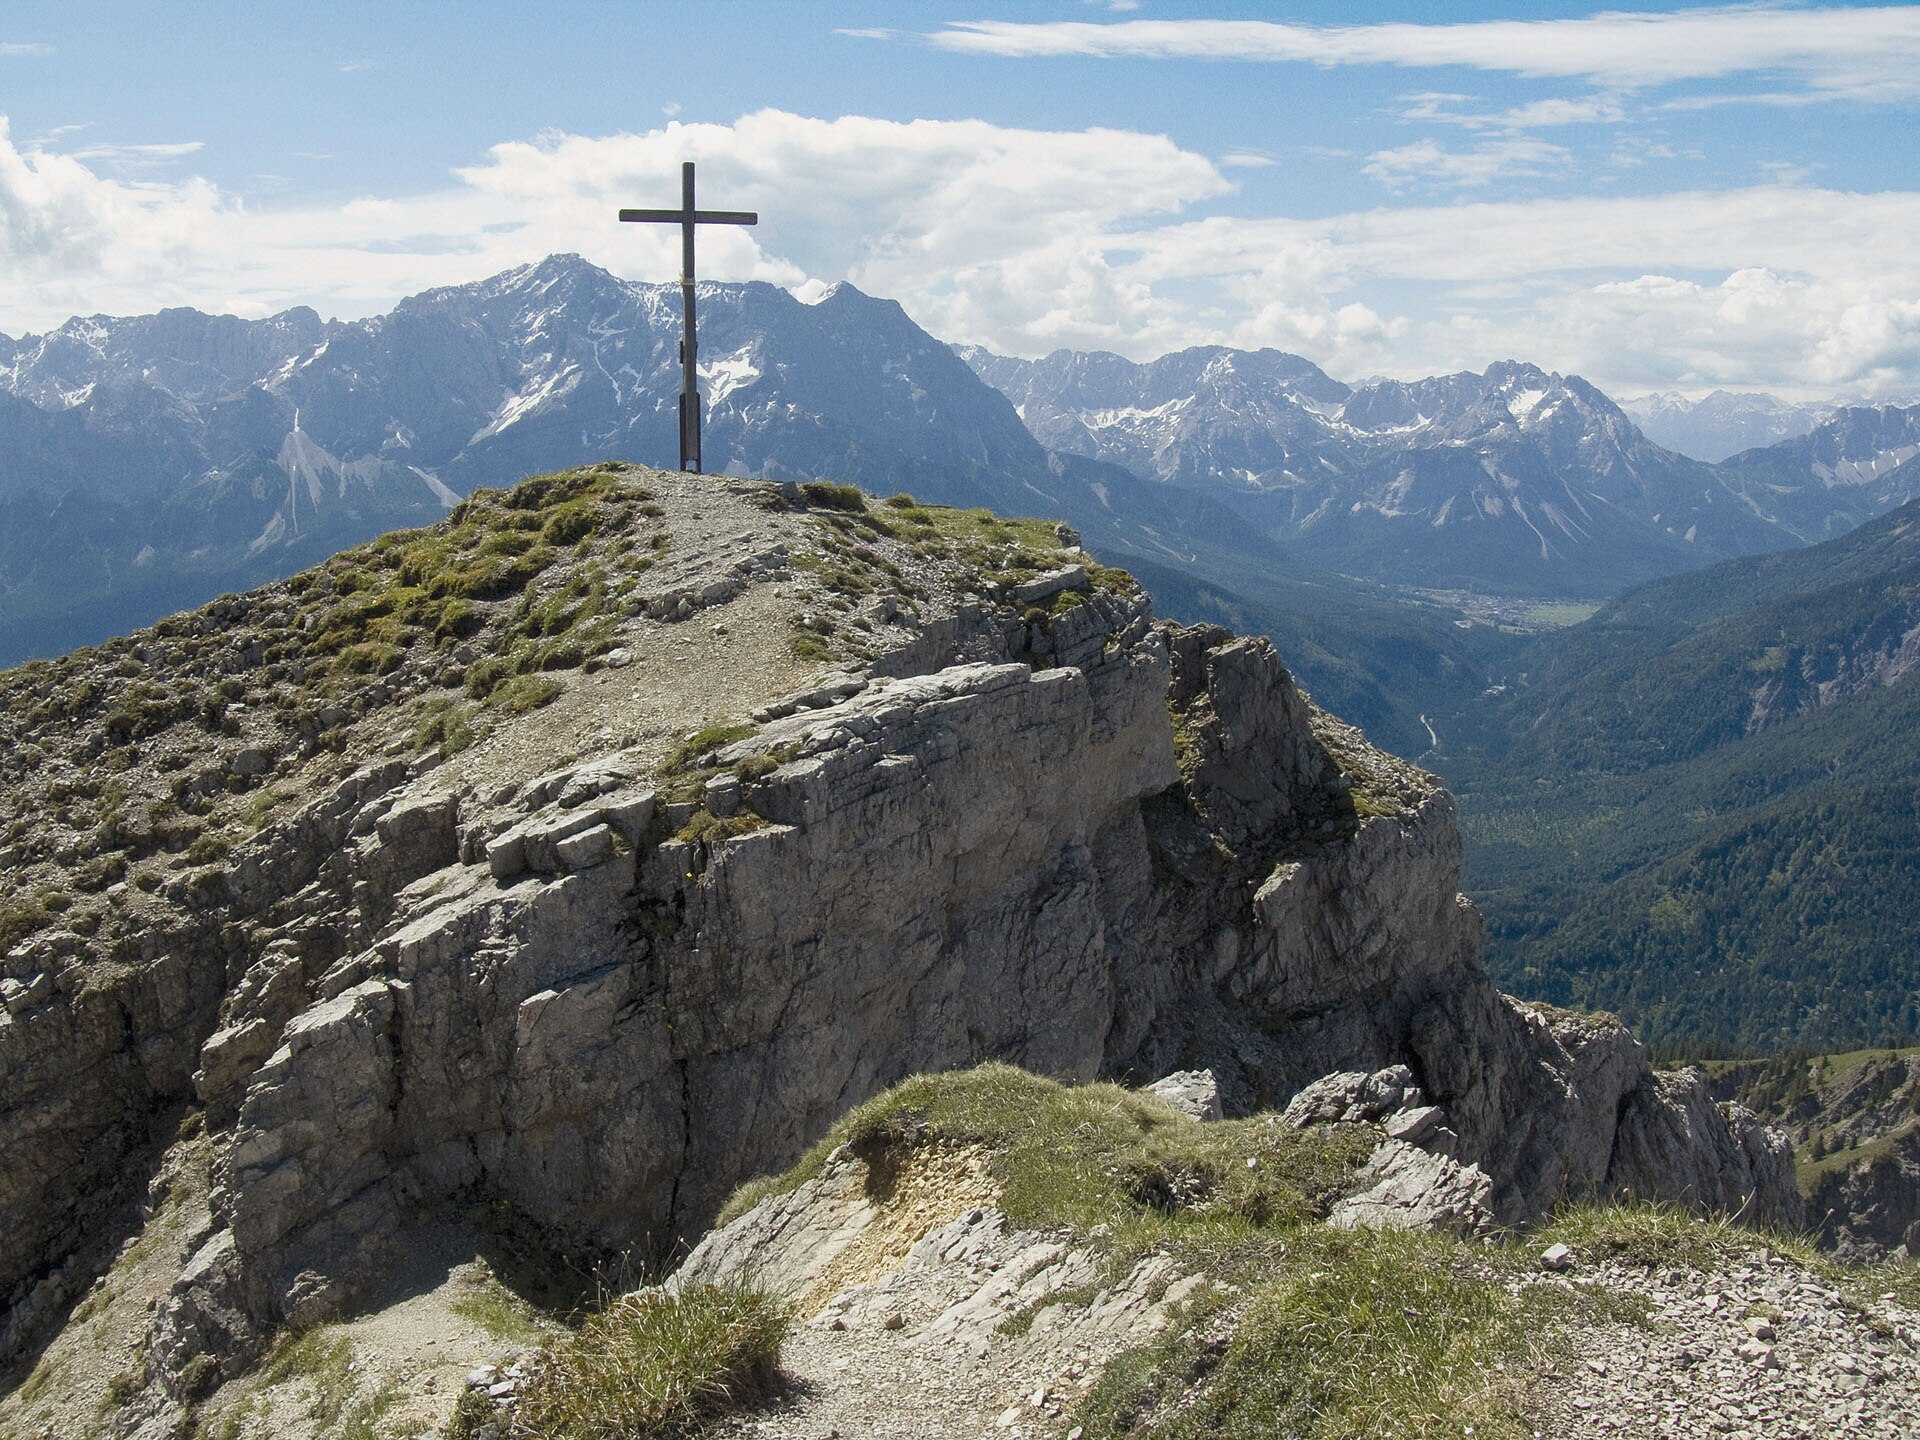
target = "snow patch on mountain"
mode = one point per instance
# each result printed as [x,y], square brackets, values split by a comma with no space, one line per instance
[1522,403]
[540,394]
[723,377]
[1866,469]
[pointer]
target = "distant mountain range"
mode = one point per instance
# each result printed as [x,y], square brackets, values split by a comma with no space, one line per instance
[1513,481]
[1723,423]
[150,463]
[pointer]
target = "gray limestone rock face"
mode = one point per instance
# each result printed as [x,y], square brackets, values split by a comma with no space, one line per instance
[1352,1095]
[1676,1143]
[1095,848]
[955,865]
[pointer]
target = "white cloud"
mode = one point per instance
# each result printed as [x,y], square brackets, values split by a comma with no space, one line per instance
[1427,163]
[1870,53]
[138,156]
[1030,240]
[67,234]
[15,48]
[1446,108]
[1631,151]
[1784,288]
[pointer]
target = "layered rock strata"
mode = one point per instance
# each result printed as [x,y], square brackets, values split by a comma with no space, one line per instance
[1069,838]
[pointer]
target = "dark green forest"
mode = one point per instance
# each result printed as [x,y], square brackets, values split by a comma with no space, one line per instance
[1701,808]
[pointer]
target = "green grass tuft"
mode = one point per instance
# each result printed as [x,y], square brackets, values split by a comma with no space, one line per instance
[1086,1155]
[653,1364]
[523,693]
[825,495]
[1657,1235]
[1365,1333]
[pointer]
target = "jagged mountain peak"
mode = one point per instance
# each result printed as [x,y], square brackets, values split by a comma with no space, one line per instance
[399,415]
[1517,472]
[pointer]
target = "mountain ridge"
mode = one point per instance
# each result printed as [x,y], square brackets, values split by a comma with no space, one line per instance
[591,850]
[165,457]
[1512,478]
[267,458]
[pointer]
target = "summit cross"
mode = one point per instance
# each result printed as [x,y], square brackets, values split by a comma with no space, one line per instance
[686,217]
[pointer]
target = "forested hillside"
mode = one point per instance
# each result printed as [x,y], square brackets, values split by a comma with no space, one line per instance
[1702,807]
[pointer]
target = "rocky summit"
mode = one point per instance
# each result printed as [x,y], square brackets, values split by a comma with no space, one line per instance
[549,872]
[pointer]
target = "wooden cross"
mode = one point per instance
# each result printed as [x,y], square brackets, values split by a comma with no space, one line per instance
[686,217]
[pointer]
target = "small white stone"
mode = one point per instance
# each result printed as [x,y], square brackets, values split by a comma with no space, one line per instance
[1556,1257]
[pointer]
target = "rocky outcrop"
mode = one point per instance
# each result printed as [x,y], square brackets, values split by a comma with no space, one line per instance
[614,1026]
[1675,1142]
[1852,1120]
[1871,1207]
[1065,837]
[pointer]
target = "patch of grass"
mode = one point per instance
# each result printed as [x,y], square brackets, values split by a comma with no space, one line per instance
[1900,1278]
[122,1387]
[490,1305]
[209,848]
[447,724]
[653,1364]
[687,754]
[825,495]
[1087,1155]
[1658,1235]
[523,693]
[323,1358]
[1366,1333]
[705,828]
[811,647]
[470,1412]
[21,916]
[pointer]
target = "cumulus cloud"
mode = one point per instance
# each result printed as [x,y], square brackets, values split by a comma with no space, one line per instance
[1870,53]
[67,233]
[1787,288]
[1027,240]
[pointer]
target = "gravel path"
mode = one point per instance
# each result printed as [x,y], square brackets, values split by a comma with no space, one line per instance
[1754,1349]
[1751,1349]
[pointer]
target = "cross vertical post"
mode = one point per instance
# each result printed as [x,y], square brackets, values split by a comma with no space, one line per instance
[687,217]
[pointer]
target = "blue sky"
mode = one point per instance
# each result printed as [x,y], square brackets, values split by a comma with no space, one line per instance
[1663,197]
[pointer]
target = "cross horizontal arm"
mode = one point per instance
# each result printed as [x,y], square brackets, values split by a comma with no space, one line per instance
[700,217]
